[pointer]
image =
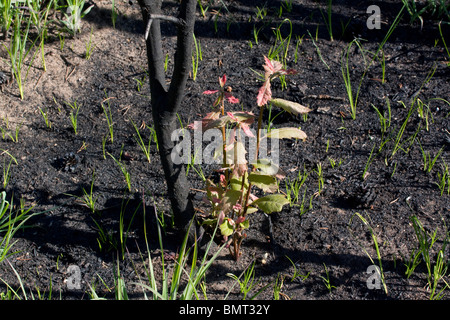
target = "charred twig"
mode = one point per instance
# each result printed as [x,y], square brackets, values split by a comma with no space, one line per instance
[161,17]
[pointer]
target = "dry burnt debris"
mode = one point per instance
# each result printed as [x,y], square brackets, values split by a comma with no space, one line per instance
[67,163]
[356,196]
[3,77]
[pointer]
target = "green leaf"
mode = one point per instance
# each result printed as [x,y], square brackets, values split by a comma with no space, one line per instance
[226,228]
[243,116]
[287,133]
[218,123]
[230,198]
[267,167]
[251,210]
[245,224]
[85,12]
[236,182]
[289,106]
[271,203]
[209,222]
[267,183]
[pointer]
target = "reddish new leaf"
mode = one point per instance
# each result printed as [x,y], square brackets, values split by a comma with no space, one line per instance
[230,98]
[264,94]
[223,80]
[210,91]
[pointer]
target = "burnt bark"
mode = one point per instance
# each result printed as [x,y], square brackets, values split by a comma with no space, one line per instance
[166,100]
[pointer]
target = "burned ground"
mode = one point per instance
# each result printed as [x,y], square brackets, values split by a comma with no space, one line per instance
[343,155]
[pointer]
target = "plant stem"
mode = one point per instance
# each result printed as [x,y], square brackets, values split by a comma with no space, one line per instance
[258,136]
[224,142]
[258,140]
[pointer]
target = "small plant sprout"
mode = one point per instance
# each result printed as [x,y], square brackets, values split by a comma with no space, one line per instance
[428,160]
[261,13]
[88,199]
[74,13]
[298,43]
[443,179]
[196,57]
[144,147]
[279,50]
[319,53]
[385,120]
[287,5]
[13,136]
[232,198]
[6,173]
[383,66]
[277,288]
[424,112]
[445,44]
[272,118]
[366,172]
[172,278]
[327,20]
[293,187]
[123,169]
[44,113]
[297,273]
[198,170]
[377,248]
[113,13]
[320,180]
[203,9]
[105,240]
[11,220]
[19,50]
[437,270]
[140,83]
[346,75]
[62,41]
[6,17]
[108,116]
[303,207]
[89,46]
[248,281]
[124,232]
[104,139]
[166,63]
[326,279]
[73,115]
[256,32]
[164,222]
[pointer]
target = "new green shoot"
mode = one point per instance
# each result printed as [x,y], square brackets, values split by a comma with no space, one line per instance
[18,51]
[144,147]
[73,115]
[89,46]
[196,56]
[108,116]
[326,279]
[377,248]
[124,171]
[44,113]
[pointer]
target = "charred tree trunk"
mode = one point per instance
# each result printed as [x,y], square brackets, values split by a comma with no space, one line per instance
[166,100]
